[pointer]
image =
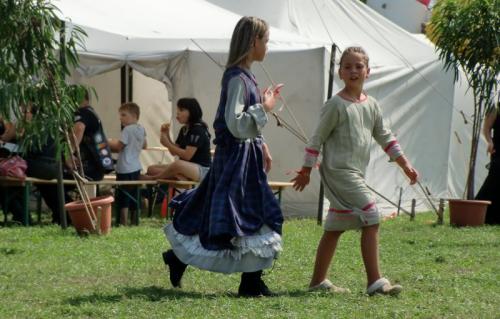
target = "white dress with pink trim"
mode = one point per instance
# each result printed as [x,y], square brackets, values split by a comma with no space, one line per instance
[344,134]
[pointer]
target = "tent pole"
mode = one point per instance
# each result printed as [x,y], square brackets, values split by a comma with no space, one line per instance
[123,84]
[126,82]
[331,77]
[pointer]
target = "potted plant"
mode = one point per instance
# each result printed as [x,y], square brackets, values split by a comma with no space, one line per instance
[465,33]
[36,56]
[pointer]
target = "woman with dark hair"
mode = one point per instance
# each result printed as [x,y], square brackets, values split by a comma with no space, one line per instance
[192,145]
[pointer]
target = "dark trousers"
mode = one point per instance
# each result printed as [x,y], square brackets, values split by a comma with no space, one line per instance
[123,193]
[46,168]
[14,202]
[491,191]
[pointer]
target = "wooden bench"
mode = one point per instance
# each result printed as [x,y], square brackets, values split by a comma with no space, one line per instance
[173,187]
[27,185]
[176,186]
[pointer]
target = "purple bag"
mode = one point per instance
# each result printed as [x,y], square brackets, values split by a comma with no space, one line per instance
[13,166]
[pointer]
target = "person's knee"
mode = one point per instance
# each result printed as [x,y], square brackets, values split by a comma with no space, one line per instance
[152,170]
[332,234]
[372,229]
[176,167]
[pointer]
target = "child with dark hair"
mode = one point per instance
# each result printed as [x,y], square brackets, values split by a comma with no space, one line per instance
[192,145]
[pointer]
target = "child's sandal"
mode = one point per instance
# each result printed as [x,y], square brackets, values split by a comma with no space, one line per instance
[384,287]
[327,286]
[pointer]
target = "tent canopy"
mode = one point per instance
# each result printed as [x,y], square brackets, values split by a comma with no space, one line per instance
[150,29]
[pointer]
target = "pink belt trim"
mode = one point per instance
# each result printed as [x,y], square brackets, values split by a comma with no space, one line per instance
[340,211]
[312,151]
[391,144]
[346,211]
[370,205]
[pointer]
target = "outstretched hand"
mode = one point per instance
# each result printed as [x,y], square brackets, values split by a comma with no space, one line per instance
[302,179]
[412,173]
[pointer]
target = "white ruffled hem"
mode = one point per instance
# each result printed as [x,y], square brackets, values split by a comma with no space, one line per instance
[266,243]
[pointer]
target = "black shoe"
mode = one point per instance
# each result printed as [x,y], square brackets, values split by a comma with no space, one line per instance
[264,290]
[252,285]
[175,266]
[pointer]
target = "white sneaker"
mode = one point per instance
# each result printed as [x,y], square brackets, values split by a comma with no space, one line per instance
[384,287]
[327,286]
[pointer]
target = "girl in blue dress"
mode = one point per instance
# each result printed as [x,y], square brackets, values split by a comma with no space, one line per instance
[232,222]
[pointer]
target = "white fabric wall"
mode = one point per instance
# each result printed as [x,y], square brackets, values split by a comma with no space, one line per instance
[152,97]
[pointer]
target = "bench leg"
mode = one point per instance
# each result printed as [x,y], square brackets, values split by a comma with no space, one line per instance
[116,209]
[5,203]
[150,200]
[138,204]
[39,206]
[26,208]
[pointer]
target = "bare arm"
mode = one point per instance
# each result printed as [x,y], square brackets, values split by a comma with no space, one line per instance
[10,132]
[115,145]
[184,154]
[78,130]
[407,169]
[488,129]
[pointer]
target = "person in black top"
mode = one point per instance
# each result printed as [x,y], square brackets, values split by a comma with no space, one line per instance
[86,125]
[491,186]
[192,145]
[42,163]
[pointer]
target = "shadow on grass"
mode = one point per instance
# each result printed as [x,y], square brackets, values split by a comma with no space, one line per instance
[9,251]
[155,294]
[151,293]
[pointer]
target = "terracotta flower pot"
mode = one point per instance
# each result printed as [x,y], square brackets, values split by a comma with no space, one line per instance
[467,212]
[83,222]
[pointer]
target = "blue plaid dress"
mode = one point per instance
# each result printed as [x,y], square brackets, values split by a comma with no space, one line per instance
[233,218]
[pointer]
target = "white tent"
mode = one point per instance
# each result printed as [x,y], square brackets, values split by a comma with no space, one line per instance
[177,41]
[182,58]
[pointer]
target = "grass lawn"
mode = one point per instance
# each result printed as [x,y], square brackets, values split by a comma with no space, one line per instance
[446,272]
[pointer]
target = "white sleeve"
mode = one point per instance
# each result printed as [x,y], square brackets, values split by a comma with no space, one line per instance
[242,124]
[125,136]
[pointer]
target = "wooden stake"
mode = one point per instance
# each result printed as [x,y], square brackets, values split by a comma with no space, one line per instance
[399,202]
[440,211]
[413,204]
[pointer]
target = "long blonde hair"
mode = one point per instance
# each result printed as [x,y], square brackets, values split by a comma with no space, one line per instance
[244,34]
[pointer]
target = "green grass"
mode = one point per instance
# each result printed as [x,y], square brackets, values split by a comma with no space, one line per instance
[446,272]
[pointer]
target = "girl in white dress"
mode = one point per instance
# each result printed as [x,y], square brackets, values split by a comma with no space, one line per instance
[348,122]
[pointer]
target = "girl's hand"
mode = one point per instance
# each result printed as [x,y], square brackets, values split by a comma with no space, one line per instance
[302,179]
[268,160]
[411,173]
[271,94]
[165,128]
[491,148]
[407,168]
